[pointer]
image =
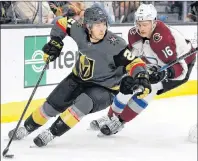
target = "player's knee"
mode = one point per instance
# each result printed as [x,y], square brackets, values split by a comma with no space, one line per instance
[101,98]
[48,110]
[54,107]
[82,105]
[70,117]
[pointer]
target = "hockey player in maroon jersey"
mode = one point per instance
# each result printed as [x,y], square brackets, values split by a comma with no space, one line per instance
[157,44]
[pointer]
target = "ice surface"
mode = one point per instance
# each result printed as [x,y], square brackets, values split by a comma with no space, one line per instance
[158,134]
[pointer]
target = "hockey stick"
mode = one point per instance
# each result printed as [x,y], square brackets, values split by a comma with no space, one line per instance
[178,59]
[24,111]
[140,88]
[105,129]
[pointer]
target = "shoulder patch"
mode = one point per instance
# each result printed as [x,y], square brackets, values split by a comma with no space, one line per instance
[133,37]
[132,31]
[113,40]
[157,37]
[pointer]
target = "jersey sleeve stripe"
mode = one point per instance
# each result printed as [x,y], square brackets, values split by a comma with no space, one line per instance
[61,26]
[135,66]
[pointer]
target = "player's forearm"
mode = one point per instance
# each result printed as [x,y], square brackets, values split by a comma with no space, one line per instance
[60,28]
[177,70]
[135,67]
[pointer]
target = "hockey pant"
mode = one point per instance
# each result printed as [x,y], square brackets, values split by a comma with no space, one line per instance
[73,98]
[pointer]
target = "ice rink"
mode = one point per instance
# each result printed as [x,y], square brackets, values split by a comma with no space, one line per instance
[158,134]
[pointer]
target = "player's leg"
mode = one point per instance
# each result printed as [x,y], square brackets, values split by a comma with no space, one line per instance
[106,100]
[92,100]
[136,106]
[60,99]
[67,120]
[133,108]
[119,102]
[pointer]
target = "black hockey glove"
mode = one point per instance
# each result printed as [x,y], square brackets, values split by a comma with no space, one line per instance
[126,85]
[129,84]
[52,48]
[155,77]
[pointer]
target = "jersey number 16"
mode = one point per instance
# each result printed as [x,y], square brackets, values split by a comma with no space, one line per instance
[167,51]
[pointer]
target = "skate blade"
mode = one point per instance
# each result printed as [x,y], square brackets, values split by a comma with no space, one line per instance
[33,146]
[91,129]
[101,135]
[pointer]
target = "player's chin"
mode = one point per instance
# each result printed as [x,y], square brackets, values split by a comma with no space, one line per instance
[100,37]
[143,35]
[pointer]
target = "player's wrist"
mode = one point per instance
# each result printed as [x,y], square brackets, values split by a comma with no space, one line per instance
[170,73]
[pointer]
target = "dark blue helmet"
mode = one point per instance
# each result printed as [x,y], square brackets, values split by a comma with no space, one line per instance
[94,15]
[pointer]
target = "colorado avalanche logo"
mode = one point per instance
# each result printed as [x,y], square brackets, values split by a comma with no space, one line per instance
[157,37]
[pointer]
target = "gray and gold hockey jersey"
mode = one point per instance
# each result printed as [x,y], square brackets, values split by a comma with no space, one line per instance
[103,63]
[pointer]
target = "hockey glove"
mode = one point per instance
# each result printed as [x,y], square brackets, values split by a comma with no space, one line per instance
[126,86]
[129,84]
[155,77]
[52,49]
[142,79]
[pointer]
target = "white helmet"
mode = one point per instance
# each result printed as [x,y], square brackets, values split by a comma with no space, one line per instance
[145,12]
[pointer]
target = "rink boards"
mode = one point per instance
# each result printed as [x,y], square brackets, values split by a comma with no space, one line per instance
[21,64]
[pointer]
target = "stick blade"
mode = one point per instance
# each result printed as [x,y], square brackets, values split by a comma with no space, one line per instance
[5,151]
[7,155]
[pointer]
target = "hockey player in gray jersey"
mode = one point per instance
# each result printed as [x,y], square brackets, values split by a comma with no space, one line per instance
[103,60]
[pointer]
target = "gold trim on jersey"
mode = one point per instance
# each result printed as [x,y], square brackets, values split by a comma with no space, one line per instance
[86,67]
[63,22]
[75,71]
[115,88]
[133,63]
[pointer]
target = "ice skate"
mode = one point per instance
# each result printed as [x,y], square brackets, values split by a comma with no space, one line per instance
[111,127]
[97,124]
[43,138]
[20,133]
